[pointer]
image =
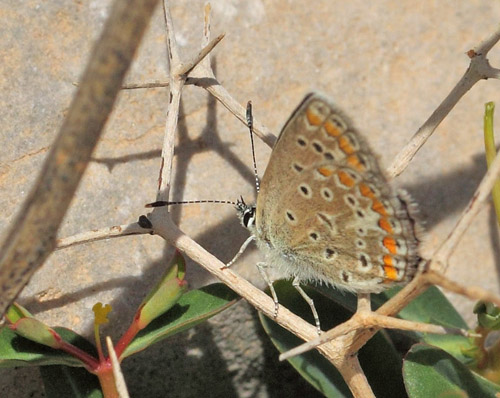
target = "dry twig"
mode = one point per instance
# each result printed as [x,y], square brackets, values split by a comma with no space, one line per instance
[350,336]
[479,69]
[32,236]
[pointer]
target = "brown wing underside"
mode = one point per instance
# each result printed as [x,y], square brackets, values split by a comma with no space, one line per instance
[325,205]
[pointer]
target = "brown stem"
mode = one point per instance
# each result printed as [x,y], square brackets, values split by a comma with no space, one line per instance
[32,236]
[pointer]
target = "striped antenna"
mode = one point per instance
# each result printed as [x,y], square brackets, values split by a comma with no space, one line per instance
[249,116]
[161,203]
[250,127]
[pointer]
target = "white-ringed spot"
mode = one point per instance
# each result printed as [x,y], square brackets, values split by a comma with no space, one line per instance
[290,217]
[326,194]
[314,236]
[301,141]
[305,190]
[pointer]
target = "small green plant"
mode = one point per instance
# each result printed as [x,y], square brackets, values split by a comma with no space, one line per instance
[82,369]
[396,363]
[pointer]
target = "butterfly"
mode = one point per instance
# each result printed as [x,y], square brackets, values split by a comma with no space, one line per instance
[325,212]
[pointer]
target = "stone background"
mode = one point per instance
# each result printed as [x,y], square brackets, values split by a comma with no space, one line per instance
[387,63]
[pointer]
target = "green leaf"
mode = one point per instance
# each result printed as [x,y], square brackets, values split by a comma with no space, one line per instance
[490,152]
[19,351]
[34,330]
[488,315]
[67,382]
[24,324]
[433,307]
[378,358]
[430,307]
[431,372]
[16,312]
[165,294]
[192,308]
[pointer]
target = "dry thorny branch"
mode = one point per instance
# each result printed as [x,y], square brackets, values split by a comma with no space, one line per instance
[21,256]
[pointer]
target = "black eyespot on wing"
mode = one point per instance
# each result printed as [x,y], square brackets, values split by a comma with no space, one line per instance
[324,219]
[326,193]
[317,147]
[364,261]
[298,167]
[301,142]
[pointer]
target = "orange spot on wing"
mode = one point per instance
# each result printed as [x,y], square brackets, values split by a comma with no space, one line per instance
[366,191]
[345,145]
[346,179]
[390,244]
[312,117]
[379,207]
[324,171]
[332,129]
[390,272]
[385,225]
[353,160]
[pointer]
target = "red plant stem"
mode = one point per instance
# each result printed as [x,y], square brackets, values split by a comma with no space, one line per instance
[127,338]
[91,363]
[107,380]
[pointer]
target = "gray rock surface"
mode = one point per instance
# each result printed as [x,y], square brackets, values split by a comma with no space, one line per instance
[387,63]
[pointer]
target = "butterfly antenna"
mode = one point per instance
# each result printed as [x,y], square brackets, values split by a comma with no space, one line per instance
[250,127]
[161,203]
[249,116]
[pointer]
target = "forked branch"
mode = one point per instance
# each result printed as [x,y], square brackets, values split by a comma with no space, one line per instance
[350,336]
[478,69]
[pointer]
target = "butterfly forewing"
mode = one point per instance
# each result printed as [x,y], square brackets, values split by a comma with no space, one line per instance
[325,210]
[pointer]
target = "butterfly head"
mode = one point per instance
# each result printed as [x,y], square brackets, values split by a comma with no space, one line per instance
[246,214]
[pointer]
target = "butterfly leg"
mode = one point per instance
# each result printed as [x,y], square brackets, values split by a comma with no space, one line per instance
[262,269]
[309,300]
[240,252]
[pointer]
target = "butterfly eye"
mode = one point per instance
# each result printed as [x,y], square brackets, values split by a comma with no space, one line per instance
[249,217]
